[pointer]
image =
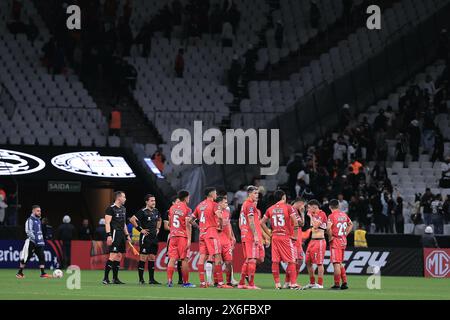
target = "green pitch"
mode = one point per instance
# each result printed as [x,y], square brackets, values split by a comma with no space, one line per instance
[32,287]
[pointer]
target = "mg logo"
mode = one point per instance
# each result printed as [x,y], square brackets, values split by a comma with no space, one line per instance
[437,263]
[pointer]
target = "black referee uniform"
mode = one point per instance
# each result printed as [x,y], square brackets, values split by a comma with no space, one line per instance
[118,221]
[148,244]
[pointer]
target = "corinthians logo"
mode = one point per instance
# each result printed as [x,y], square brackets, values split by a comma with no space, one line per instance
[15,163]
[91,163]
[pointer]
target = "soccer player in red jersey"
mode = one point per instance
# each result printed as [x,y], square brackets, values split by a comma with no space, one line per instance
[299,207]
[338,227]
[210,220]
[226,237]
[251,235]
[283,221]
[315,253]
[180,238]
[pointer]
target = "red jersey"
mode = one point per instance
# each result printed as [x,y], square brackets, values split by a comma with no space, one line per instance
[205,213]
[249,209]
[340,222]
[321,217]
[225,234]
[178,215]
[299,231]
[279,216]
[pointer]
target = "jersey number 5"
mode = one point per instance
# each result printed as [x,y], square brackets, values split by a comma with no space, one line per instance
[176,221]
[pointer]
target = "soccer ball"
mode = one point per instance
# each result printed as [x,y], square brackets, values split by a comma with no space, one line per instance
[57,273]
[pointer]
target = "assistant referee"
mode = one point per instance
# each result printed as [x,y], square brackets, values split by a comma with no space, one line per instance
[117,232]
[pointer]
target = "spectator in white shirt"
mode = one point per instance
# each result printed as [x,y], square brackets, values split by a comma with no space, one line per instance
[340,149]
[343,204]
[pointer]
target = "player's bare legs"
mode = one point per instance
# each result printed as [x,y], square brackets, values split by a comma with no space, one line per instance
[312,278]
[320,272]
[141,267]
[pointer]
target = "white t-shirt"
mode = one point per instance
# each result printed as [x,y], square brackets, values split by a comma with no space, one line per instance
[343,206]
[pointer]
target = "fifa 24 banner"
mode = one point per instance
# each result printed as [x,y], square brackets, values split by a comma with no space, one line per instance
[391,261]
[10,254]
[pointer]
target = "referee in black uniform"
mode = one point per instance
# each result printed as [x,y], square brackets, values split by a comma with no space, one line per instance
[148,222]
[116,230]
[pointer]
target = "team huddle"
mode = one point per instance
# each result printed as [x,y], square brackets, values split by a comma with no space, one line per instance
[282,226]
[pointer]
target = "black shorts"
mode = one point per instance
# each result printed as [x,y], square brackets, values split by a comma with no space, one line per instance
[148,245]
[119,242]
[30,248]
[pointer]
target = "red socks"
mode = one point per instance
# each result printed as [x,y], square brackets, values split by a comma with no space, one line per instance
[228,275]
[218,275]
[337,279]
[244,271]
[276,272]
[312,280]
[292,273]
[170,271]
[251,269]
[201,272]
[343,275]
[320,281]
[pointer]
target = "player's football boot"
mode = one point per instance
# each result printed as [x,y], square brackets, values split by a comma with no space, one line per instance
[317,286]
[295,287]
[242,286]
[253,288]
[234,283]
[106,281]
[20,276]
[308,286]
[170,284]
[204,285]
[344,286]
[278,286]
[117,281]
[189,285]
[153,281]
[336,287]
[224,286]
[45,275]
[141,282]
[286,285]
[180,282]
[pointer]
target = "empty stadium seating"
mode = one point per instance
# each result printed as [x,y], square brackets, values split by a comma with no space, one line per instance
[50,109]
